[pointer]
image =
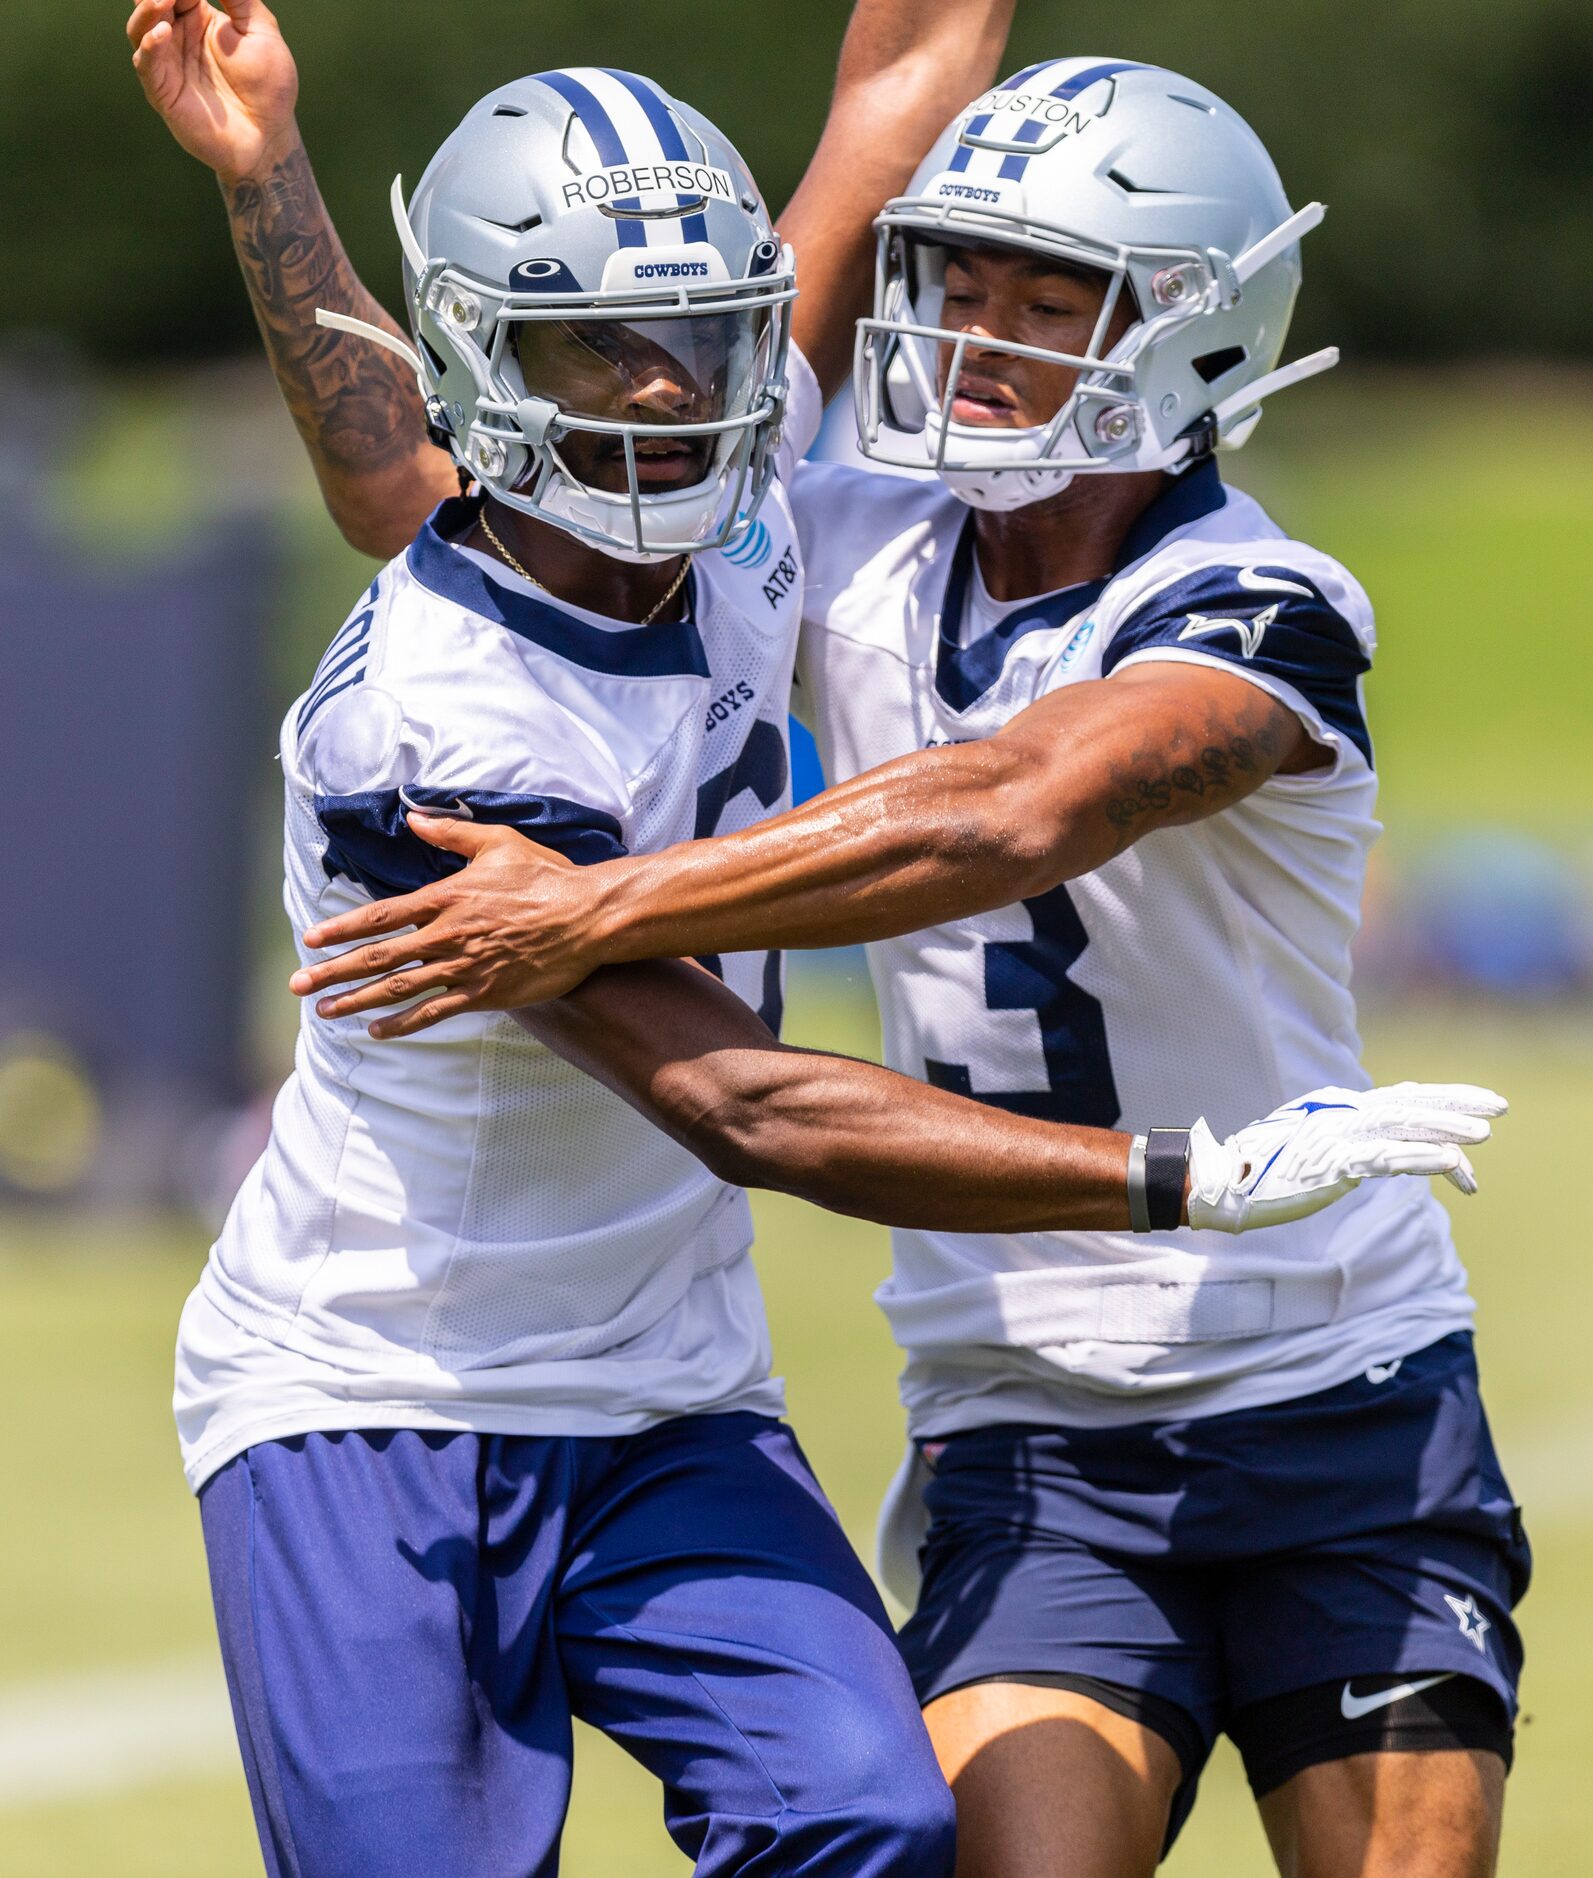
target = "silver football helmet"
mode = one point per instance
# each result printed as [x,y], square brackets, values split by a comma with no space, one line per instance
[1105,165]
[601,312]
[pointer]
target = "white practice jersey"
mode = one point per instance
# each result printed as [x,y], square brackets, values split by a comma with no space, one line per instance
[459,1230]
[1205,971]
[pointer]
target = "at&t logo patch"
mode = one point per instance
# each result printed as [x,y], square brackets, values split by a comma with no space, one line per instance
[754,547]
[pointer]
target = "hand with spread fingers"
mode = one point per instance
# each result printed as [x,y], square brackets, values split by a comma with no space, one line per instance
[221,77]
[504,934]
[1312,1151]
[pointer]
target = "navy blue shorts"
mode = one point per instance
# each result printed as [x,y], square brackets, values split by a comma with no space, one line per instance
[409,1621]
[1214,1563]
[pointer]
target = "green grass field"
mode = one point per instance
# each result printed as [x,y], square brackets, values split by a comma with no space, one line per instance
[102,1564]
[1464,514]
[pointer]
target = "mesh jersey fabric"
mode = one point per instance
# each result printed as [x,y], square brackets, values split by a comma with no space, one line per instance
[1203,971]
[459,1229]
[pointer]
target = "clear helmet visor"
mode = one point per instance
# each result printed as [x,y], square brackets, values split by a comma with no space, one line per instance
[660,376]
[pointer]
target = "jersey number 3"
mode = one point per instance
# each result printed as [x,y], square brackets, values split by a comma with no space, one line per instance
[1032,975]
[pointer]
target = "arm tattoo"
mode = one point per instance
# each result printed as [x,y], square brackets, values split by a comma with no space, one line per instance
[1237,752]
[356,406]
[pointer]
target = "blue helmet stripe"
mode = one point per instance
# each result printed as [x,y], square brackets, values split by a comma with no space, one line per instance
[980,125]
[1028,132]
[599,127]
[964,151]
[1092,74]
[1014,165]
[670,141]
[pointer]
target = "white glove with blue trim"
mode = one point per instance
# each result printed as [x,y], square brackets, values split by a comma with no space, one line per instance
[1313,1151]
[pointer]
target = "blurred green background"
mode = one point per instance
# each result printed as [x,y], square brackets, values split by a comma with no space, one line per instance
[1450,463]
[1448,136]
[107,1628]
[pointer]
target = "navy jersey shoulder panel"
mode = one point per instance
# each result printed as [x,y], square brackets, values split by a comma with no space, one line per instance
[369,840]
[669,649]
[964,673]
[1272,620]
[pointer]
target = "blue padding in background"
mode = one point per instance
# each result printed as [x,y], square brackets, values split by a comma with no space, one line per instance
[807,777]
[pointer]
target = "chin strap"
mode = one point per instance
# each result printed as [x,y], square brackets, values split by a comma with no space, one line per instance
[1235,418]
[378,335]
[1269,247]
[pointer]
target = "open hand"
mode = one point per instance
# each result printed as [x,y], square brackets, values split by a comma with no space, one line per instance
[1311,1152]
[514,928]
[221,76]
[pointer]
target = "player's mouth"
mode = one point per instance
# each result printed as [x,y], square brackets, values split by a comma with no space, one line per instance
[667,462]
[983,401]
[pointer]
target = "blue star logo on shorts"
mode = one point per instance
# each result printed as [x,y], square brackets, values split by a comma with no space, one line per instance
[1472,1622]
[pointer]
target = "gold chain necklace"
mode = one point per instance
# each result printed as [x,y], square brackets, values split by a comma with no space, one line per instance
[525,573]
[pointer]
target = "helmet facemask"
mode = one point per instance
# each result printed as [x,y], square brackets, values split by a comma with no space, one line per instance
[1130,405]
[912,361]
[641,419]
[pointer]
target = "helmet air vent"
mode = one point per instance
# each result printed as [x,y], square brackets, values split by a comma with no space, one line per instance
[1214,365]
[511,110]
[684,206]
[513,228]
[1132,188]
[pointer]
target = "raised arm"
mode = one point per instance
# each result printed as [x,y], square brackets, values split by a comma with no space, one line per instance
[939,835]
[224,81]
[907,67]
[688,1054]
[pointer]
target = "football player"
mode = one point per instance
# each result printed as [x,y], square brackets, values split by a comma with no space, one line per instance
[1113,673]
[622,1026]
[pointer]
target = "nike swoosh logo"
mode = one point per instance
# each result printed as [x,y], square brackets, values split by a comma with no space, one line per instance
[1352,1706]
[457,811]
[1253,582]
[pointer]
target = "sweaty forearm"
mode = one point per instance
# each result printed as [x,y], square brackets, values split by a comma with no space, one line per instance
[935,836]
[846,1135]
[956,830]
[861,1140]
[356,407]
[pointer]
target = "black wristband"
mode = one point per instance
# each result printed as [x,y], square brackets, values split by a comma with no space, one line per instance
[1166,1168]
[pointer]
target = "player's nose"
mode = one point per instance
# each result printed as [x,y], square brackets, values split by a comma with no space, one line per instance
[659,390]
[982,341]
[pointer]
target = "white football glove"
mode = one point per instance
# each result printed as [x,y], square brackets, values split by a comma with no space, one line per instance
[1313,1151]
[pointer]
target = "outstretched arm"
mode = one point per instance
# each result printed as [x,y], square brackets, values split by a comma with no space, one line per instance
[935,836]
[671,1040]
[224,81]
[956,830]
[687,1053]
[907,67]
